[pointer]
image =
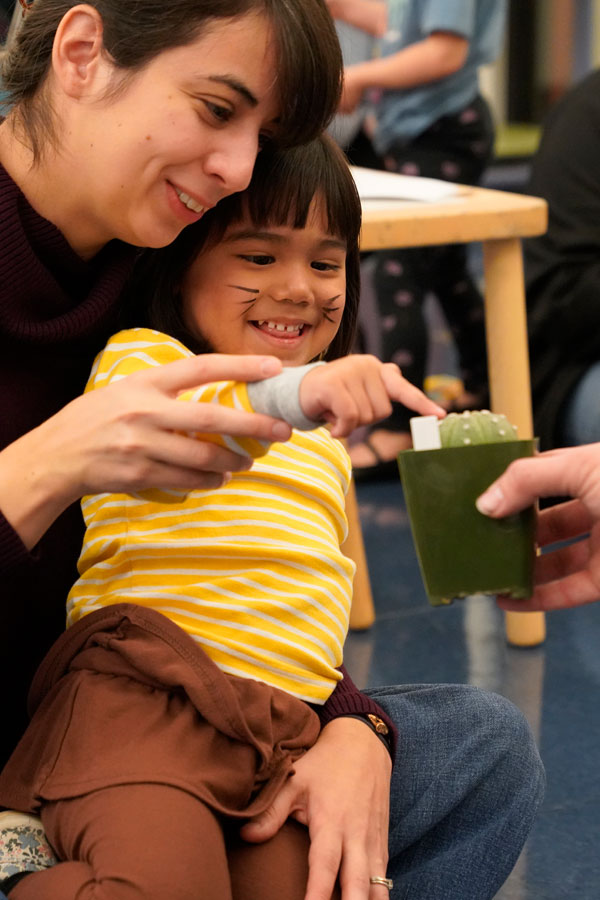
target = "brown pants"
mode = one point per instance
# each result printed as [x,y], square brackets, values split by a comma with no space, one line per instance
[156,842]
[144,758]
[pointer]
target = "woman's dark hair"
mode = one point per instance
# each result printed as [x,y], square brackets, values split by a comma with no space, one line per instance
[309,62]
[283,186]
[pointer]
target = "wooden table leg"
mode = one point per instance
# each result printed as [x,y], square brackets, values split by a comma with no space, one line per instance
[508,369]
[362,612]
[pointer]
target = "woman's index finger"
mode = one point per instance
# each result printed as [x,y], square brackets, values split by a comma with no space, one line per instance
[208,367]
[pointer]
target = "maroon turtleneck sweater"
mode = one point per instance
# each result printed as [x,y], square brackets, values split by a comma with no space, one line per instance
[56,313]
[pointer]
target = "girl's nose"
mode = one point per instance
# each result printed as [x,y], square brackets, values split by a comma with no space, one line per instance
[293,287]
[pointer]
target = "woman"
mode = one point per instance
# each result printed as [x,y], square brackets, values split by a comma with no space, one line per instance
[127,133]
[128,120]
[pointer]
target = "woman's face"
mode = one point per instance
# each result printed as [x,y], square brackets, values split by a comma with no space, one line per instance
[276,290]
[184,133]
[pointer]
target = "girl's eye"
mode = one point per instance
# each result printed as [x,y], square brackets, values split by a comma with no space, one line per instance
[324,266]
[258,259]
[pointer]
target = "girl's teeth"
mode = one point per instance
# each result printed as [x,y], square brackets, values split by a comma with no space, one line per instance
[187,201]
[278,326]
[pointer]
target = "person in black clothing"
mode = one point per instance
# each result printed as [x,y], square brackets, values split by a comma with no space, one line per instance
[6,8]
[563,272]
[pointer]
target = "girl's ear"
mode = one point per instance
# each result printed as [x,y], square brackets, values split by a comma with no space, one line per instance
[77,50]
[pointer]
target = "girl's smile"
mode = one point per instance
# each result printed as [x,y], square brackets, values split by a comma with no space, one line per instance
[278,290]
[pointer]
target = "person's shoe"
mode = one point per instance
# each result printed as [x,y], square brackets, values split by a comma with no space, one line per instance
[23,845]
[380,447]
[11,882]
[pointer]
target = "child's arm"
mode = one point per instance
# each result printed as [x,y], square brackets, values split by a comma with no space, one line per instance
[358,390]
[440,54]
[368,15]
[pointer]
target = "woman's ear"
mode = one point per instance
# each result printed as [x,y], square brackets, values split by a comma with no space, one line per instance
[77,50]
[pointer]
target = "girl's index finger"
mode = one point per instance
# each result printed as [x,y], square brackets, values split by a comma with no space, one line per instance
[184,374]
[402,391]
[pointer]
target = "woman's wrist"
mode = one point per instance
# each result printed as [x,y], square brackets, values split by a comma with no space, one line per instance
[31,496]
[377,726]
[347,701]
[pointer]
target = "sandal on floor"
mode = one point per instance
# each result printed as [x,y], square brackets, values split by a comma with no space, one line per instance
[381,470]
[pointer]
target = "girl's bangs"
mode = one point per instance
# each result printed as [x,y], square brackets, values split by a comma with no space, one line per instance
[284,186]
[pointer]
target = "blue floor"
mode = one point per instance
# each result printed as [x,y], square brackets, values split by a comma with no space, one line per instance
[556,685]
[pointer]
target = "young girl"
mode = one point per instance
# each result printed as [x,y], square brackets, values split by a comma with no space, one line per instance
[204,624]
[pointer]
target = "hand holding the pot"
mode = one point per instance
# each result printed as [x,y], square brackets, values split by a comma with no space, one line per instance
[568,575]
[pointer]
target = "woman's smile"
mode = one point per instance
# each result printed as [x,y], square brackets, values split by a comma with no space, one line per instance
[186,208]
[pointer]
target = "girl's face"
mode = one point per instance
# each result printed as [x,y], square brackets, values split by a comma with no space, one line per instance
[276,290]
[183,134]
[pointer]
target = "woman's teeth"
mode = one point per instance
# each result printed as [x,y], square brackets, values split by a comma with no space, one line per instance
[278,326]
[187,201]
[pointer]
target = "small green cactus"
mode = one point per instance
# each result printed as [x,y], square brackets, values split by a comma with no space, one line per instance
[476,427]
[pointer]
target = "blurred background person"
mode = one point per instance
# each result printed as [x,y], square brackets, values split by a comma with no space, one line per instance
[426,117]
[563,272]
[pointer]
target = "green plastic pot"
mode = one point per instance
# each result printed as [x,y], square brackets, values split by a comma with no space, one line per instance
[460,551]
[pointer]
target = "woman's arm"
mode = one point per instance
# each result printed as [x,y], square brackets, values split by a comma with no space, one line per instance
[129,436]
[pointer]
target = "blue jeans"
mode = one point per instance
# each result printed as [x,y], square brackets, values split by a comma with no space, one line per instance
[466,786]
[465,789]
[581,417]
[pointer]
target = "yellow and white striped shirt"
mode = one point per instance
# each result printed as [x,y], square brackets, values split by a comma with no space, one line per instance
[252,571]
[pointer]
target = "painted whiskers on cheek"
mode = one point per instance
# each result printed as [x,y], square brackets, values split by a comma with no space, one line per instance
[247,304]
[326,310]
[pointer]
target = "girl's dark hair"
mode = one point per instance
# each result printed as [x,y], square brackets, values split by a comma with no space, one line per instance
[309,62]
[283,186]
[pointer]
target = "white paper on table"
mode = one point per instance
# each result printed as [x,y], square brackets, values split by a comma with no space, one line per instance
[374,184]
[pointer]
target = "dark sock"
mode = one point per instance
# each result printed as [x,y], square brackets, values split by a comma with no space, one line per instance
[12,881]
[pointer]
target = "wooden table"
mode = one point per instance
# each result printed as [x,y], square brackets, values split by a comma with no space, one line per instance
[499,220]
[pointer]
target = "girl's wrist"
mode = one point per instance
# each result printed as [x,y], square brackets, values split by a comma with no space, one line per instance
[281,397]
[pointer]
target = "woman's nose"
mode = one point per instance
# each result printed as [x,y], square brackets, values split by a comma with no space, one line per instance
[233,162]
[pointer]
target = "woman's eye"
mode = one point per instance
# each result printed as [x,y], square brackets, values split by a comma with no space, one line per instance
[218,112]
[258,259]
